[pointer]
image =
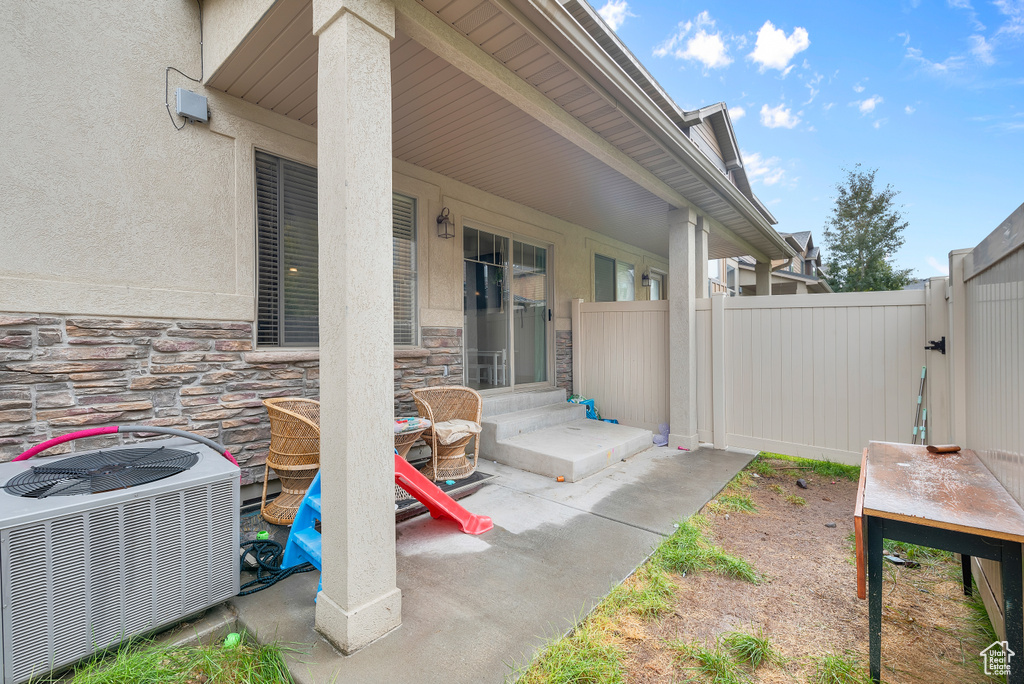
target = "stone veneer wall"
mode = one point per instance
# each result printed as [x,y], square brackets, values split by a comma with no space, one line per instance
[563,360]
[59,374]
[425,367]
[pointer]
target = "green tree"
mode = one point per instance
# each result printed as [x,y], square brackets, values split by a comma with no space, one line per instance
[862,235]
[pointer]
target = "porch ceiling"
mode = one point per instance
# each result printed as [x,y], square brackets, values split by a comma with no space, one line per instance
[447,122]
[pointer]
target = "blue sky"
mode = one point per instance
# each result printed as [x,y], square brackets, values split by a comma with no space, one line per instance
[930,92]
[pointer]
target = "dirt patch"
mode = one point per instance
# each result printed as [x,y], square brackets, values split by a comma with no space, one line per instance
[807,603]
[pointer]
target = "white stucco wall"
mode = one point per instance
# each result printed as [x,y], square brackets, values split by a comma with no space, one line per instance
[108,210]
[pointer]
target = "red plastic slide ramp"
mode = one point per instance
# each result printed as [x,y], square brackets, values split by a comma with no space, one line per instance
[437,502]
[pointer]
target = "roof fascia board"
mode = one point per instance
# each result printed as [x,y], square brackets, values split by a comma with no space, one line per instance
[442,39]
[569,37]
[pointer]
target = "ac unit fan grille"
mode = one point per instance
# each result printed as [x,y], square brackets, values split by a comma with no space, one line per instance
[101,471]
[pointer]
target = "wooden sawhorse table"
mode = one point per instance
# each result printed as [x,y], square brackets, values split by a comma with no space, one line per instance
[943,501]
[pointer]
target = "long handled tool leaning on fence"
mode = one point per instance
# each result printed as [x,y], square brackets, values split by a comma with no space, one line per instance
[917,417]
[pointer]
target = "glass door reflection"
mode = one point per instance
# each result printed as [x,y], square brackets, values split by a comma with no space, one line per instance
[530,312]
[486,308]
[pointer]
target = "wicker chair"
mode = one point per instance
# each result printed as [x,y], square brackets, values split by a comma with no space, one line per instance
[294,455]
[437,404]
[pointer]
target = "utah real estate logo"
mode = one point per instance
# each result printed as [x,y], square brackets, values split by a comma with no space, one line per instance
[997,658]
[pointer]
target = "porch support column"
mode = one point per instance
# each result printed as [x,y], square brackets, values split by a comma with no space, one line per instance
[360,600]
[701,260]
[682,229]
[763,274]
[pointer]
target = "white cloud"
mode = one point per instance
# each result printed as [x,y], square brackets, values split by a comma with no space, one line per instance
[878,123]
[981,49]
[858,88]
[828,106]
[708,49]
[949,65]
[909,110]
[941,268]
[774,50]
[779,116]
[906,38]
[761,170]
[868,105]
[615,12]
[969,8]
[737,113]
[671,45]
[812,86]
[1014,11]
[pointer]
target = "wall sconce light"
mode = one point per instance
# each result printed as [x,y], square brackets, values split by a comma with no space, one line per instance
[445,229]
[645,279]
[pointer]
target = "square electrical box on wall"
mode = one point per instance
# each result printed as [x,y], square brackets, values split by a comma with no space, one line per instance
[192,107]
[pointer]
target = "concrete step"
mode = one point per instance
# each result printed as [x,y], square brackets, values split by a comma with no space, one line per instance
[498,404]
[507,425]
[571,450]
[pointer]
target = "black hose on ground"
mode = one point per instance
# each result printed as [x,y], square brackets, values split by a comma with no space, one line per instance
[265,556]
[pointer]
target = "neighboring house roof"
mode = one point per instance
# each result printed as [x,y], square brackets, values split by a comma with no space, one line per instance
[915,285]
[799,239]
[803,243]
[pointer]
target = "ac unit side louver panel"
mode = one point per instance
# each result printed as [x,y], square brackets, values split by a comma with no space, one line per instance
[93,570]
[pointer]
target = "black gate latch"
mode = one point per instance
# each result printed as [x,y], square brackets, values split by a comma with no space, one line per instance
[937,345]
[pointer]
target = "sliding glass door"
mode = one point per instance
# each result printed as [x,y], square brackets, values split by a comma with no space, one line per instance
[507,315]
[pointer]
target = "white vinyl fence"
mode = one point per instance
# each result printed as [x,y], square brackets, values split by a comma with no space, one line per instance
[807,375]
[817,375]
[987,330]
[620,357]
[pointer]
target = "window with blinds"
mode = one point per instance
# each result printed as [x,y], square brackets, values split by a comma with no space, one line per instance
[403,212]
[287,258]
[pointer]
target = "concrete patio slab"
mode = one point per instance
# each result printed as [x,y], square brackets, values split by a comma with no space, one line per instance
[472,607]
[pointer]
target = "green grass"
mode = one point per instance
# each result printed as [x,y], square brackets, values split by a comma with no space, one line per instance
[583,657]
[828,469]
[727,502]
[835,668]
[143,661]
[753,648]
[778,489]
[743,480]
[796,500]
[714,665]
[762,467]
[917,553]
[689,550]
[978,617]
[645,595]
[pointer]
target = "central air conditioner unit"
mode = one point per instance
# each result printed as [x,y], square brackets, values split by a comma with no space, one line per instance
[106,545]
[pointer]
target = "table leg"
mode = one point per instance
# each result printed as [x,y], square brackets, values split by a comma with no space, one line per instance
[874,553]
[1014,615]
[965,562]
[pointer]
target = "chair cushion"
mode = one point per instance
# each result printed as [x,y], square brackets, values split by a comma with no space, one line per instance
[451,431]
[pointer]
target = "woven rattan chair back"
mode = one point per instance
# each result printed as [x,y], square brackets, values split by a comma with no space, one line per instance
[294,455]
[438,404]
